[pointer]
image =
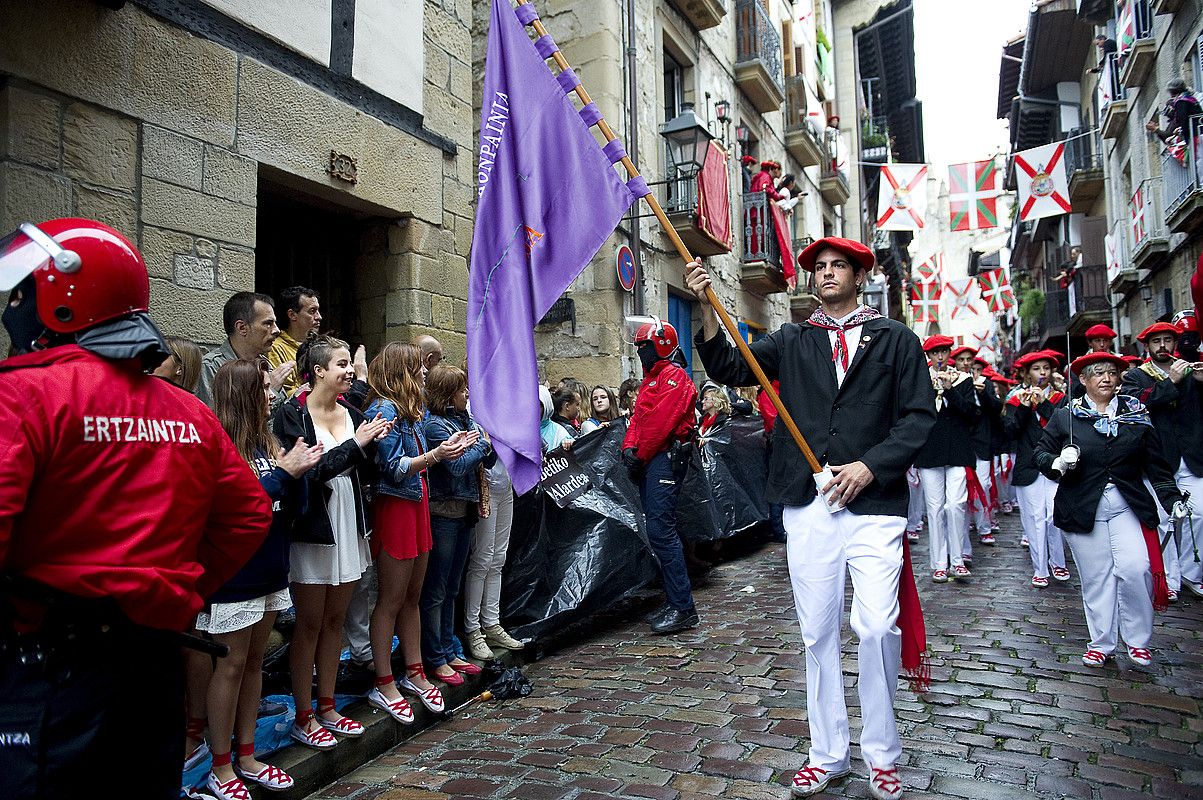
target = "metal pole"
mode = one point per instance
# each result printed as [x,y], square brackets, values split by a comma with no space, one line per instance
[633,226]
[683,251]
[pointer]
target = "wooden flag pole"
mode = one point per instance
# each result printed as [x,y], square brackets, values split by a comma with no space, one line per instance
[711,297]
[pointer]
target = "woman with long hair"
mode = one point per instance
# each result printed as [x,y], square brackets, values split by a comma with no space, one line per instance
[603,409]
[240,615]
[402,540]
[329,550]
[628,392]
[183,366]
[454,494]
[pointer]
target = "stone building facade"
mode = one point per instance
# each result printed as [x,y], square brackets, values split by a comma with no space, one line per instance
[767,64]
[247,145]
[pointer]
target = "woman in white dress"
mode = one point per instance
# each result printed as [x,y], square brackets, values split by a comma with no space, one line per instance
[330,549]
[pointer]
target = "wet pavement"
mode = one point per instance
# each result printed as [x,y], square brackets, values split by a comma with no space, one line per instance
[719,711]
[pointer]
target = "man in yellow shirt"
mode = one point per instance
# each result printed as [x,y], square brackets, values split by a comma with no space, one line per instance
[302,318]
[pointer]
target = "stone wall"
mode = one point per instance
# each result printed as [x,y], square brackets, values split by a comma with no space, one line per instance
[166,135]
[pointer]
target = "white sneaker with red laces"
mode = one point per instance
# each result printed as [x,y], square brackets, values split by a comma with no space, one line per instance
[885,783]
[1140,655]
[812,780]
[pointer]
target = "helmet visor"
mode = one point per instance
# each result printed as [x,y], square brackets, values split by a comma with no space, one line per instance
[631,326]
[19,257]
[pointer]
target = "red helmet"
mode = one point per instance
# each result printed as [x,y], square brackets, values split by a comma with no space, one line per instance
[662,336]
[1185,320]
[85,273]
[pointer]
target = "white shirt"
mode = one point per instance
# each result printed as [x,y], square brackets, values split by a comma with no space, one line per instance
[852,337]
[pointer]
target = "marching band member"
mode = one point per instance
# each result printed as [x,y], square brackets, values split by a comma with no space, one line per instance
[945,460]
[1027,411]
[1100,338]
[988,408]
[1100,449]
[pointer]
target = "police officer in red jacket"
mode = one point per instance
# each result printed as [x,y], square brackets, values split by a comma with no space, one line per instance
[656,452]
[123,504]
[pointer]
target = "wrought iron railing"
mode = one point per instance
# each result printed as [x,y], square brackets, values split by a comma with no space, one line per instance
[1110,87]
[796,116]
[760,238]
[1180,178]
[1083,151]
[1146,222]
[830,167]
[756,37]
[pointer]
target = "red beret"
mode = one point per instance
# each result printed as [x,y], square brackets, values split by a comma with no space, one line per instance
[936,342]
[1099,332]
[861,255]
[983,362]
[768,164]
[1028,359]
[1052,355]
[1157,327]
[963,349]
[1133,361]
[748,159]
[1082,362]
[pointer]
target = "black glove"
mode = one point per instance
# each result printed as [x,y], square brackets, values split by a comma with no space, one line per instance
[630,459]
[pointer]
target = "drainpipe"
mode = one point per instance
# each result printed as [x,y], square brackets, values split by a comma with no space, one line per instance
[633,143]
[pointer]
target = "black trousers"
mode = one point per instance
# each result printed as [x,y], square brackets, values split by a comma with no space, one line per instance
[97,715]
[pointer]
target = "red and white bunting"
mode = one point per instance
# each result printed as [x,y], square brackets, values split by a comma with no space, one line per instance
[925,302]
[965,297]
[1042,183]
[996,290]
[902,197]
[973,191]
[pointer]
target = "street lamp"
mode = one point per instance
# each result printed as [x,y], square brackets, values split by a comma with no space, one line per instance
[688,140]
[1146,293]
[722,111]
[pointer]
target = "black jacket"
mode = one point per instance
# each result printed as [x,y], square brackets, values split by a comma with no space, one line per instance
[987,416]
[950,443]
[1177,412]
[1025,427]
[881,415]
[1124,459]
[292,421]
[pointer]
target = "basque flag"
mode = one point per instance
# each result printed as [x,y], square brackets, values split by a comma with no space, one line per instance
[548,197]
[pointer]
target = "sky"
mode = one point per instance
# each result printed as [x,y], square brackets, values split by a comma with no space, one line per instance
[958,44]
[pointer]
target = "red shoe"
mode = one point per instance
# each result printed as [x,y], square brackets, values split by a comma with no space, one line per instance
[466,668]
[454,679]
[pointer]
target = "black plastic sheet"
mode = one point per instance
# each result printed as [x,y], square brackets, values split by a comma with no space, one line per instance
[566,564]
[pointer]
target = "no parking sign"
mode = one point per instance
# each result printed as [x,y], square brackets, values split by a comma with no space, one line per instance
[624,262]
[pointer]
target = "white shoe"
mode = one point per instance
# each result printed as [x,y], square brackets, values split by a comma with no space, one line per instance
[496,635]
[478,648]
[812,780]
[885,784]
[397,709]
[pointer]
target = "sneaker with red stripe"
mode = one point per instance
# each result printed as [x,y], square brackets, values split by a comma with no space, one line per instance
[885,783]
[812,780]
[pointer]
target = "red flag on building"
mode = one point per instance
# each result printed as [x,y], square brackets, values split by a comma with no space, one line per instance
[925,302]
[973,196]
[996,290]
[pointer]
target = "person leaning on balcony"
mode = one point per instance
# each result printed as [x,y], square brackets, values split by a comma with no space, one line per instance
[1181,106]
[1106,46]
[766,179]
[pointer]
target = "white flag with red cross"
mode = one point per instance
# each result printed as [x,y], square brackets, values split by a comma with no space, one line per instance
[1125,26]
[931,270]
[965,297]
[902,197]
[925,302]
[973,196]
[1137,217]
[1111,243]
[1042,183]
[996,290]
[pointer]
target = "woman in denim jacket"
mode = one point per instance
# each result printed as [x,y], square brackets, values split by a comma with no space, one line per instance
[402,541]
[454,494]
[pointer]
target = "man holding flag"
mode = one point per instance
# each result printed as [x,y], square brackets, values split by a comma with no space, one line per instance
[857,385]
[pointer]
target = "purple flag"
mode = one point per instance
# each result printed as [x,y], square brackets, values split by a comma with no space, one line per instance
[547,198]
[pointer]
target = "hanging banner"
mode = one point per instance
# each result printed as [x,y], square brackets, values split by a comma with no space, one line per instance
[965,297]
[902,197]
[1111,242]
[931,270]
[1041,181]
[925,302]
[973,191]
[996,290]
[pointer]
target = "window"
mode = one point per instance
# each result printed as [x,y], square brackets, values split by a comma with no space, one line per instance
[680,316]
[674,86]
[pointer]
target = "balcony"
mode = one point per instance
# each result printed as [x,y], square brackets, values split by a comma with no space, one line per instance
[833,182]
[1089,299]
[760,271]
[702,14]
[1146,230]
[1183,184]
[758,71]
[1084,163]
[875,141]
[1138,59]
[801,136]
[681,206]
[1113,101]
[802,301]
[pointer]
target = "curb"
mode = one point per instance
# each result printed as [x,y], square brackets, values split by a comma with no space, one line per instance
[313,770]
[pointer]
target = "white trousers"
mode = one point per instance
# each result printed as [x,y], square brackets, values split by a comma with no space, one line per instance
[981,514]
[490,541]
[1113,564]
[1006,491]
[819,547]
[914,511]
[946,497]
[1045,542]
[1179,551]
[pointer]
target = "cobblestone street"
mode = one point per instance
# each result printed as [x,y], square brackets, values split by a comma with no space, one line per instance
[719,711]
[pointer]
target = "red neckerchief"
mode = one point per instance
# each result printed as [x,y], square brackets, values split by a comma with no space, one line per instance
[820,319]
